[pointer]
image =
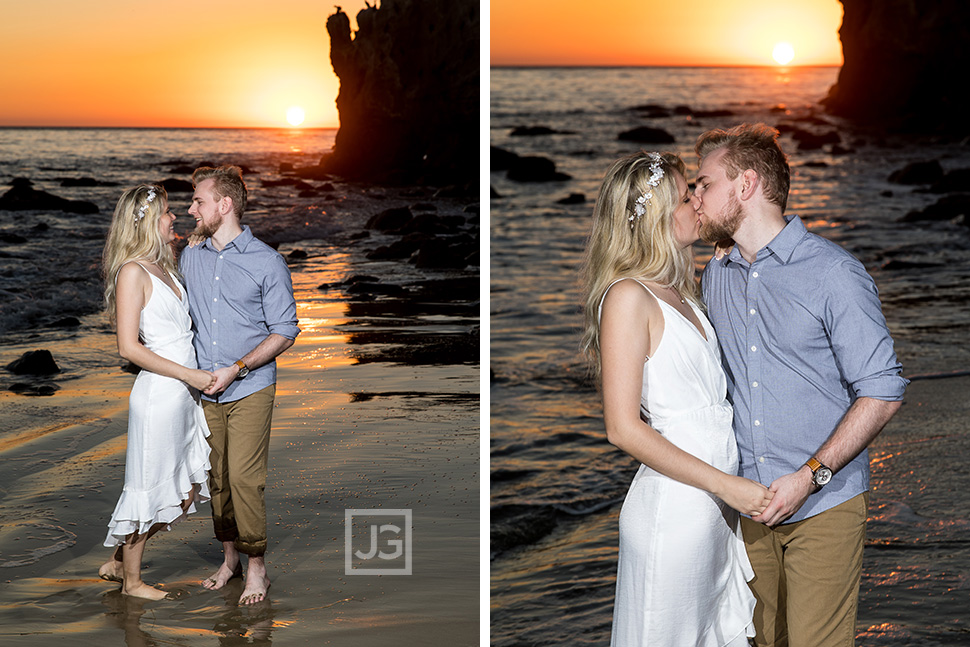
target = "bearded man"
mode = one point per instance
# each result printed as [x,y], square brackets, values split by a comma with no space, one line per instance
[813,378]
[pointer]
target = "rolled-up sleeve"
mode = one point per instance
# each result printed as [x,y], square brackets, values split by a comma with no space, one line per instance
[279,306]
[859,335]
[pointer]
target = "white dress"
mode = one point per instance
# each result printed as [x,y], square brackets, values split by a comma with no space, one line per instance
[167,450]
[682,572]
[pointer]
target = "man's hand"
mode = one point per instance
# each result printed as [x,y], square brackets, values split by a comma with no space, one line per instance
[790,493]
[224,377]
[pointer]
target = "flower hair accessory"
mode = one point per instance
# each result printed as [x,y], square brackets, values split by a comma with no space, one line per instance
[656,174]
[142,209]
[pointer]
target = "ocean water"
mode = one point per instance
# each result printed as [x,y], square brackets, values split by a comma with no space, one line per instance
[557,485]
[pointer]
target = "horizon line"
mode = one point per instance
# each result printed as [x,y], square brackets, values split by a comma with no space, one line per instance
[619,65]
[295,128]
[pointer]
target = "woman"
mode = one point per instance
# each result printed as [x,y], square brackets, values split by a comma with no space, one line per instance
[167,458]
[682,566]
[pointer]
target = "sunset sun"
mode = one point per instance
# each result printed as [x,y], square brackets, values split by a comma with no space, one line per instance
[295,115]
[783,53]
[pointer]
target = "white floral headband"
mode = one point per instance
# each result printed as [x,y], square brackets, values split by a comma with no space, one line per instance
[142,209]
[656,174]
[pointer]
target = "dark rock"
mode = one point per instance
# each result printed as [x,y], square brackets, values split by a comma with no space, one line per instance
[493,194]
[34,389]
[535,131]
[652,111]
[175,185]
[534,168]
[646,135]
[66,322]
[12,239]
[501,159]
[399,249]
[897,264]
[918,173]
[712,113]
[409,91]
[390,219]
[297,255]
[899,60]
[34,362]
[286,167]
[946,208]
[440,253]
[424,206]
[573,198]
[288,181]
[85,181]
[808,140]
[22,196]
[955,180]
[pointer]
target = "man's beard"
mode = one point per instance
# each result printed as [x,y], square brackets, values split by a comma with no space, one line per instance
[727,222]
[207,230]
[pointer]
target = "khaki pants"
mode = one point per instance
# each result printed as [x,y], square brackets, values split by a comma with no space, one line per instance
[807,577]
[239,438]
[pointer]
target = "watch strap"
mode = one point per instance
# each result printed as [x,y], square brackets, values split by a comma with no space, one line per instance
[241,364]
[813,464]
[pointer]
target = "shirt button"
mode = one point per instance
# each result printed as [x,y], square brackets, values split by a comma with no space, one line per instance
[214,343]
[754,384]
[757,423]
[215,299]
[761,459]
[217,278]
[754,274]
[751,311]
[213,321]
[754,349]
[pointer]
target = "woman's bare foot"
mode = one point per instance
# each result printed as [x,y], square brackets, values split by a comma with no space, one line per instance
[142,590]
[218,579]
[112,571]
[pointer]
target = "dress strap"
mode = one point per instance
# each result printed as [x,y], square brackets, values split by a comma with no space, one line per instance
[599,314]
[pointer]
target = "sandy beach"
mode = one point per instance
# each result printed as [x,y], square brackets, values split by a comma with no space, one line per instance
[377,408]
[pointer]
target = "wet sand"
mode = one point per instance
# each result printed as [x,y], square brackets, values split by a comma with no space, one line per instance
[374,411]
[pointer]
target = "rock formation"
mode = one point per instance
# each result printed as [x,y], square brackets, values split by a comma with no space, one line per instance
[409,92]
[903,62]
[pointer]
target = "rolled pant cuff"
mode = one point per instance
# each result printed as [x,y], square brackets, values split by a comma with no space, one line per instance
[255,548]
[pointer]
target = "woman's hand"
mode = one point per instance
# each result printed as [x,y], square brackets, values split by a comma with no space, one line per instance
[199,379]
[194,239]
[744,495]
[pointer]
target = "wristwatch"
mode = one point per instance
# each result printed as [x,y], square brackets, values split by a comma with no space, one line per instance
[243,369]
[820,473]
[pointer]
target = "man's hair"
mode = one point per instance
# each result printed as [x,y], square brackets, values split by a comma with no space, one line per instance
[228,183]
[751,146]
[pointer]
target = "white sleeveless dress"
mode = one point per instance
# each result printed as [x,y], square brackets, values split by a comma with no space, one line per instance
[167,450]
[682,572]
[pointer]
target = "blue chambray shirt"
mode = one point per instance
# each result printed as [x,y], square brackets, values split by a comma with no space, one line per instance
[803,335]
[237,297]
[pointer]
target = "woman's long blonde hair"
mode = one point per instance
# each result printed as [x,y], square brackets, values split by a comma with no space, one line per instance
[134,236]
[643,248]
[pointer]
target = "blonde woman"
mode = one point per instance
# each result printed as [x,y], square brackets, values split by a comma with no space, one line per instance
[682,570]
[167,456]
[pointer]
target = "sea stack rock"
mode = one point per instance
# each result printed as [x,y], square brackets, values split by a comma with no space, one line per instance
[409,87]
[900,58]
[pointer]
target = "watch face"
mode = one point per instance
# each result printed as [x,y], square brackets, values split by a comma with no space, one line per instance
[822,476]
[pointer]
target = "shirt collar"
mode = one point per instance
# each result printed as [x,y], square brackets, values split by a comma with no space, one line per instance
[240,242]
[781,246]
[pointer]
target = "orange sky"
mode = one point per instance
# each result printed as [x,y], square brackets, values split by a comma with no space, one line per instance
[216,63]
[652,32]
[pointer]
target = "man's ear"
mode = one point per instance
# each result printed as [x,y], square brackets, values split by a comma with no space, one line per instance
[225,205]
[750,181]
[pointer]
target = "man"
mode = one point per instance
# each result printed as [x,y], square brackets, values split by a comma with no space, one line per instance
[244,315]
[813,378]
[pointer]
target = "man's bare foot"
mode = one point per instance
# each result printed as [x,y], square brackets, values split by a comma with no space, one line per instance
[142,590]
[112,571]
[218,579]
[255,590]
